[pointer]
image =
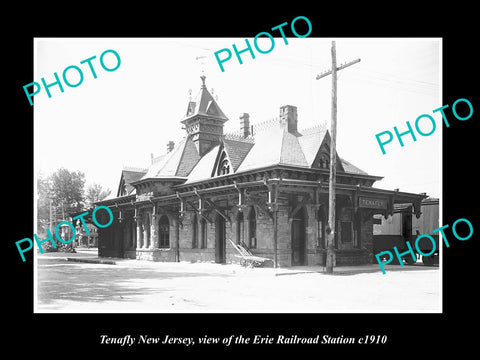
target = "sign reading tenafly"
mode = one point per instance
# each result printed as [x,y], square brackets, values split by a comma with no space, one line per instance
[372,203]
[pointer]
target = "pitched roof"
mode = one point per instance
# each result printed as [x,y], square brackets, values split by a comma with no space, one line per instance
[276,146]
[204,167]
[177,163]
[236,150]
[128,176]
[310,142]
[350,168]
[273,145]
[204,104]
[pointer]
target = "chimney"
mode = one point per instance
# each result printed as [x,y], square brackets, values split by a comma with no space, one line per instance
[170,146]
[245,124]
[288,117]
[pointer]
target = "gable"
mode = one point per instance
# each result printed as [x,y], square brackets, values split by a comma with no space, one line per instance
[322,158]
[236,150]
[222,166]
[128,176]
[222,159]
[191,108]
[122,187]
[212,108]
[310,141]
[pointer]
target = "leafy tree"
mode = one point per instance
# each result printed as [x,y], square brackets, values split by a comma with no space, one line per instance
[67,190]
[63,191]
[43,202]
[95,193]
[59,194]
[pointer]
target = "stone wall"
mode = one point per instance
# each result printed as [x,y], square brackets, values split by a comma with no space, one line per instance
[117,239]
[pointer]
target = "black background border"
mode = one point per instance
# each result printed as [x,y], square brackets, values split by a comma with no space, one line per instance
[60,335]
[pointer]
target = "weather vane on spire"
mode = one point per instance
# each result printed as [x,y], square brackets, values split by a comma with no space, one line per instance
[202,63]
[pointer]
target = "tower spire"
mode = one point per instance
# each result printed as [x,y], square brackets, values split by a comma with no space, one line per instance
[202,65]
[204,120]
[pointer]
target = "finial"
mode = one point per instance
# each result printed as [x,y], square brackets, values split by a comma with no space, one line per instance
[203,77]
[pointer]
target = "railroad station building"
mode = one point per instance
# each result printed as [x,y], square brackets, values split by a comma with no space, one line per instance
[265,187]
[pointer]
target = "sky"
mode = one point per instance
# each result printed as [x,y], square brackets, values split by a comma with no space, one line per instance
[123,116]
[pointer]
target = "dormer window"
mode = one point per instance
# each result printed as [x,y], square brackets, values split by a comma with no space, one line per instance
[191,108]
[223,165]
[324,162]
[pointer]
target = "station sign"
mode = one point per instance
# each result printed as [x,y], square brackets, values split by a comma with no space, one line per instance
[372,203]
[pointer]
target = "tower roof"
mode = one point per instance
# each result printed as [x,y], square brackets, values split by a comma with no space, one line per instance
[204,104]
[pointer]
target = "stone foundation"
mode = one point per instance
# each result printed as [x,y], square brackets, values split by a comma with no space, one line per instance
[164,255]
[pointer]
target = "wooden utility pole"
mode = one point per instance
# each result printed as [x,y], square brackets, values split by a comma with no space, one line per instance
[330,260]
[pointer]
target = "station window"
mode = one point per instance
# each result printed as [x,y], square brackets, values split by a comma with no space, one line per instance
[164,232]
[223,165]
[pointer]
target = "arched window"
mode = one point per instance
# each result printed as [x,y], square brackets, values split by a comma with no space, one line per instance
[194,231]
[321,221]
[164,232]
[223,165]
[325,161]
[252,228]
